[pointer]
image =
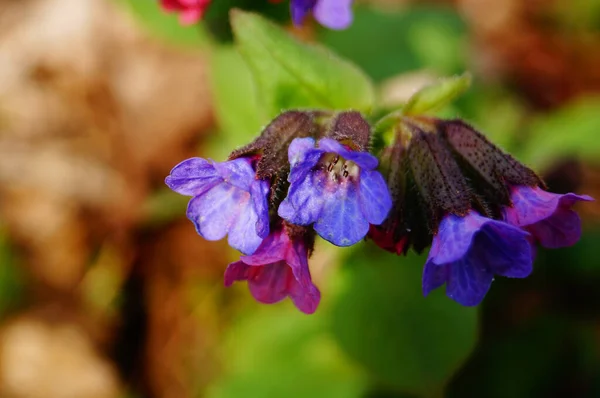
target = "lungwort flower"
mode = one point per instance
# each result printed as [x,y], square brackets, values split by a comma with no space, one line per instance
[334,14]
[335,188]
[468,251]
[547,216]
[279,269]
[227,199]
[190,11]
[478,207]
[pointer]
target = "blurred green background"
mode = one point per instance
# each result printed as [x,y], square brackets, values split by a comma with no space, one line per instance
[107,291]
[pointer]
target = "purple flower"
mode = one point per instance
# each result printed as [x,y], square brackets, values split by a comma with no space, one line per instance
[278,268]
[227,199]
[335,188]
[334,14]
[547,216]
[468,251]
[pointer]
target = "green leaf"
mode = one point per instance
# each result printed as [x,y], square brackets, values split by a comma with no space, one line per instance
[292,74]
[438,95]
[236,108]
[411,343]
[276,351]
[569,132]
[386,42]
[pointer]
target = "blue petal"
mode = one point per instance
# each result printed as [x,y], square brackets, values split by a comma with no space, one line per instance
[454,237]
[213,212]
[434,276]
[300,8]
[342,222]
[304,202]
[303,156]
[242,233]
[375,199]
[193,177]
[364,160]
[468,281]
[237,172]
[259,189]
[504,250]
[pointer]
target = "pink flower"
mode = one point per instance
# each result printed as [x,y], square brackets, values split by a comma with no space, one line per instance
[190,11]
[276,270]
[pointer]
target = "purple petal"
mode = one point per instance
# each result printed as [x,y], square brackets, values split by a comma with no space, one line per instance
[342,222]
[503,250]
[364,160]
[242,233]
[193,177]
[270,283]
[271,250]
[434,276]
[259,189]
[237,172]
[225,209]
[454,237]
[375,199]
[305,200]
[562,229]
[468,282]
[212,212]
[303,156]
[334,14]
[531,205]
[300,8]
[546,215]
[237,271]
[468,252]
[306,299]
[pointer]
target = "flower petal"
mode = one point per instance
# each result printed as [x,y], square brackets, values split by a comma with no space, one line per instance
[306,299]
[268,284]
[546,215]
[305,200]
[468,281]
[237,172]
[434,276]
[237,271]
[242,232]
[454,237]
[562,229]
[503,250]
[214,211]
[334,14]
[193,177]
[271,250]
[375,199]
[299,9]
[259,190]
[364,160]
[342,222]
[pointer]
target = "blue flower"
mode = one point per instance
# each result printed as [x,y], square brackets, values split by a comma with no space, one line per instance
[335,188]
[468,251]
[227,199]
[545,215]
[334,14]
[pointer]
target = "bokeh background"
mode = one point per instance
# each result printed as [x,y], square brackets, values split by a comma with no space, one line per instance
[107,291]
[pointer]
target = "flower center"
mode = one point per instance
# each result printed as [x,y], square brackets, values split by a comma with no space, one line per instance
[338,168]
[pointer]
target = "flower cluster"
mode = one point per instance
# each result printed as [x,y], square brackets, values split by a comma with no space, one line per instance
[334,14]
[481,210]
[306,173]
[443,184]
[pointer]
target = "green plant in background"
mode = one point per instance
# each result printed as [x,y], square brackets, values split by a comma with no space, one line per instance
[393,338]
